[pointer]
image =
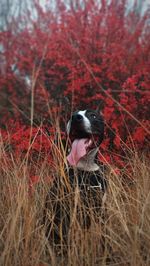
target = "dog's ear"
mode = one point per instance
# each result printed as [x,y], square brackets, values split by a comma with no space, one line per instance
[99,108]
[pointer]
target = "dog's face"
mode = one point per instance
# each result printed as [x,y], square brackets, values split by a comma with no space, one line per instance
[86,131]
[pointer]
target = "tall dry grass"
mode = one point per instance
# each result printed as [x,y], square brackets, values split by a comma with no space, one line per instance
[120,237]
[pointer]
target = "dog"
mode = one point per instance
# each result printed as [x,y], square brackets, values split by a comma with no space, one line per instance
[85,131]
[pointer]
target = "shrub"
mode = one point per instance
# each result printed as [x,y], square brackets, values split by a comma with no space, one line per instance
[89,52]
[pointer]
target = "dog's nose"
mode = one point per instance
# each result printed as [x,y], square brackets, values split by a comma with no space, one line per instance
[77,117]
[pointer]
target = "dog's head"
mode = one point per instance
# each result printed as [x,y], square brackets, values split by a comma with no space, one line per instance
[86,131]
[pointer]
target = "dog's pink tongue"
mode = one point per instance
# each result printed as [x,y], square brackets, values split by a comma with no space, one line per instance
[78,150]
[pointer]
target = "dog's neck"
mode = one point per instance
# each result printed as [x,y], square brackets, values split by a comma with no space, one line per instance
[87,162]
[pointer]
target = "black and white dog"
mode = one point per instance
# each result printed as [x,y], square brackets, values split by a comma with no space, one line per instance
[85,131]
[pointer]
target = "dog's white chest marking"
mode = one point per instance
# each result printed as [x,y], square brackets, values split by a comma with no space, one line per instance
[87,162]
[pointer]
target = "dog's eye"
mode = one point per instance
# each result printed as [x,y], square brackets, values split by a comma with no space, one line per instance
[93,116]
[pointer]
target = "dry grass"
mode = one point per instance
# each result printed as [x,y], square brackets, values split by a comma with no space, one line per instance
[125,227]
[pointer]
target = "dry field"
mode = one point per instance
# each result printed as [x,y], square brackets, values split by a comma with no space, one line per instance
[120,237]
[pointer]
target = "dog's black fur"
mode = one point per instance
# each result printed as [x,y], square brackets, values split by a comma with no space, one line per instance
[90,183]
